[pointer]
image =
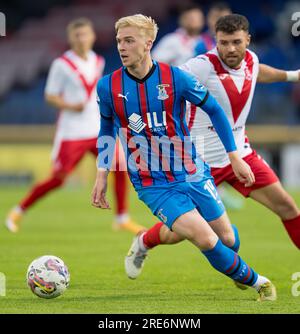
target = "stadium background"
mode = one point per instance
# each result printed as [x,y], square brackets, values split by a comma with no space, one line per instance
[35,35]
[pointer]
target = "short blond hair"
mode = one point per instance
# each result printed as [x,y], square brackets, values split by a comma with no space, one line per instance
[145,24]
[78,23]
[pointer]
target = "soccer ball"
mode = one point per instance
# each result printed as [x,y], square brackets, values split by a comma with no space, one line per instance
[48,276]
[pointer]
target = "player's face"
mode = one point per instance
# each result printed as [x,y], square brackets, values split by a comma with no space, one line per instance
[133,47]
[82,38]
[232,47]
[192,21]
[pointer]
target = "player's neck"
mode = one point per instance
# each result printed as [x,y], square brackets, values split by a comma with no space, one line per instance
[237,67]
[81,54]
[141,69]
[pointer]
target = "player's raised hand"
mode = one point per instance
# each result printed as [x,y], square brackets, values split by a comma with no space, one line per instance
[241,169]
[99,191]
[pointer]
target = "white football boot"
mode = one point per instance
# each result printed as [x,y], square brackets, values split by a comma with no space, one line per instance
[134,261]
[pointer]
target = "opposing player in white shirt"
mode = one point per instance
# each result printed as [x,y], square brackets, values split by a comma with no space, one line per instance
[230,71]
[71,88]
[179,46]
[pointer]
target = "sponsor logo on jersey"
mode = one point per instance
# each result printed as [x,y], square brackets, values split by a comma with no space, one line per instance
[248,74]
[156,125]
[136,123]
[123,96]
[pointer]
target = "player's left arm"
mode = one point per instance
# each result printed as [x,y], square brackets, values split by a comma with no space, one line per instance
[268,74]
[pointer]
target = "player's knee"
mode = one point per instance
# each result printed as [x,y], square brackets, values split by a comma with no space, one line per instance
[287,208]
[207,243]
[59,178]
[229,240]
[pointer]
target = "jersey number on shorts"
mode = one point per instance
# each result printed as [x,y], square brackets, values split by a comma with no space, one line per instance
[212,190]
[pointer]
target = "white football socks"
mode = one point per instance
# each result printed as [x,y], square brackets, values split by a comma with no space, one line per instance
[122,218]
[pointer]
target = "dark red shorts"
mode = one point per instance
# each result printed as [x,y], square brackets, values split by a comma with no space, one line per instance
[264,175]
[70,152]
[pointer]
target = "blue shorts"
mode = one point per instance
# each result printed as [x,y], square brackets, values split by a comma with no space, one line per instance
[172,200]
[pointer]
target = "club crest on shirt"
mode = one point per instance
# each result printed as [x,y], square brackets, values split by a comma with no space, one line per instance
[162,93]
[199,87]
[248,74]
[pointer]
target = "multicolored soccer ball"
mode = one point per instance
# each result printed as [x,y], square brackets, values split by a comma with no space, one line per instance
[48,276]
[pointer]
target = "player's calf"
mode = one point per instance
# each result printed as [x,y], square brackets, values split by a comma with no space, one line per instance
[232,265]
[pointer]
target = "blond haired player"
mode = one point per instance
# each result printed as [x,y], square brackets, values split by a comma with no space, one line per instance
[178,188]
[71,88]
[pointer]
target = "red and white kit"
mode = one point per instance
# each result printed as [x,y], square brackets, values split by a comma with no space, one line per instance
[75,80]
[176,48]
[233,89]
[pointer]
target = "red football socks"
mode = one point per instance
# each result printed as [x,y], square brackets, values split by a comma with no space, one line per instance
[151,237]
[293,228]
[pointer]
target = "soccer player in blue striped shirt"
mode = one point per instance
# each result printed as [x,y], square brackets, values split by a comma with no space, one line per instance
[144,103]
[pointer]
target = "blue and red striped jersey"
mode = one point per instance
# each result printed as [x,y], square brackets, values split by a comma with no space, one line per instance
[149,117]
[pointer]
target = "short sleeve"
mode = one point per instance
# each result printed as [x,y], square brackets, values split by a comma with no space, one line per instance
[191,89]
[103,100]
[200,67]
[56,78]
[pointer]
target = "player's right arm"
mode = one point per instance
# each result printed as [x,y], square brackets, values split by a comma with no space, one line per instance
[55,86]
[58,102]
[106,135]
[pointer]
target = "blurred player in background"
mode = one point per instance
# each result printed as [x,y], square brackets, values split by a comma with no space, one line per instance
[177,47]
[216,11]
[230,72]
[71,88]
[178,190]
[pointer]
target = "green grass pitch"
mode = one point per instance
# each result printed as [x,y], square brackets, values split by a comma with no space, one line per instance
[176,279]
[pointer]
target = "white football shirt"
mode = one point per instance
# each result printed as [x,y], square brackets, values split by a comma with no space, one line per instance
[175,48]
[233,89]
[75,80]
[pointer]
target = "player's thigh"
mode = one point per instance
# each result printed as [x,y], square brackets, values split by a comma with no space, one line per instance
[276,198]
[192,226]
[207,199]
[167,203]
[68,156]
[223,228]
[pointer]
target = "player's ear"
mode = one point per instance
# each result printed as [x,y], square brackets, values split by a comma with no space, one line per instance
[248,39]
[149,45]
